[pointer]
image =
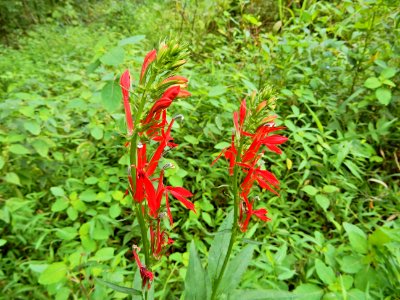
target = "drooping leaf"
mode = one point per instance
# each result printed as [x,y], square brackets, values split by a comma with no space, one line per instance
[195,281]
[358,238]
[54,273]
[219,247]
[118,288]
[236,268]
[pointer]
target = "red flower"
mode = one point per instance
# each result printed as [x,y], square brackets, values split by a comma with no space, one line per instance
[150,57]
[144,186]
[147,276]
[181,194]
[158,240]
[125,82]
[176,79]
[246,207]
[230,154]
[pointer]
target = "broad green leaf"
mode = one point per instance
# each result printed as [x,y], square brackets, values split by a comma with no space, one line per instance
[236,268]
[2,242]
[57,191]
[41,147]
[380,237]
[131,40]
[356,294]
[384,95]
[66,233]
[372,83]
[310,190]
[195,281]
[104,254]
[330,189]
[175,180]
[322,201]
[72,213]
[54,273]
[60,205]
[32,126]
[97,133]
[217,90]
[191,139]
[19,149]
[13,178]
[219,247]
[114,211]
[358,239]
[88,195]
[222,145]
[351,264]
[111,96]
[261,295]
[324,272]
[388,73]
[114,57]
[118,288]
[308,291]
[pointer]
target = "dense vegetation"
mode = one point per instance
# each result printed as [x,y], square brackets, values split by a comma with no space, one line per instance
[335,230]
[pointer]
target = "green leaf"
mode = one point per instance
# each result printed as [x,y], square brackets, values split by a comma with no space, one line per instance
[114,211]
[19,149]
[175,180]
[114,57]
[191,139]
[66,233]
[57,191]
[118,288]
[353,168]
[2,242]
[41,147]
[351,264]
[222,145]
[219,247]
[13,178]
[2,162]
[111,96]
[97,133]
[104,254]
[236,269]
[330,189]
[72,213]
[217,90]
[261,295]
[388,73]
[310,190]
[384,95]
[54,273]
[32,126]
[88,195]
[324,272]
[308,291]
[195,281]
[60,205]
[380,237]
[131,40]
[322,201]
[358,239]
[372,83]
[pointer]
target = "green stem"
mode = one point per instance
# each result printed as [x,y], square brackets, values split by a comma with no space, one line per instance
[234,224]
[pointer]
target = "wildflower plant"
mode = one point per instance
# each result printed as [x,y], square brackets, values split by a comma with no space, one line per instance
[254,134]
[149,137]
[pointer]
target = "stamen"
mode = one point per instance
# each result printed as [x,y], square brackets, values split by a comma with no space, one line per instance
[179,117]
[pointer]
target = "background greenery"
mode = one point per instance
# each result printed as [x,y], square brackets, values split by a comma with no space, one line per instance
[335,66]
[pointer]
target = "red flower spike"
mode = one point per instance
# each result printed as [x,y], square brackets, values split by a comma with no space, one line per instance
[247,207]
[150,57]
[242,113]
[147,276]
[125,83]
[181,194]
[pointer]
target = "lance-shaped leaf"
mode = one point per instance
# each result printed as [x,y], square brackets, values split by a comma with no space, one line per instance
[195,281]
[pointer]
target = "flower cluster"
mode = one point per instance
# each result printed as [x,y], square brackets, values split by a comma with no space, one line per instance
[252,131]
[148,128]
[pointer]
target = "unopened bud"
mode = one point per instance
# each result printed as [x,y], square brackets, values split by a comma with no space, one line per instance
[261,106]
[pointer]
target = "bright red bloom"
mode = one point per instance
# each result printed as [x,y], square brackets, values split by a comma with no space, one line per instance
[125,82]
[144,186]
[246,207]
[184,94]
[158,240]
[150,57]
[181,194]
[147,276]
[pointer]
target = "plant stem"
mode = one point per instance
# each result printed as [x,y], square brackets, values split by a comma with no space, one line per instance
[234,224]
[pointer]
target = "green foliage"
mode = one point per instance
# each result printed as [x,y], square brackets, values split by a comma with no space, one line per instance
[335,227]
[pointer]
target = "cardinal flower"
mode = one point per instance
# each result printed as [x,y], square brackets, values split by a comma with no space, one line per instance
[125,82]
[149,58]
[147,276]
[246,211]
